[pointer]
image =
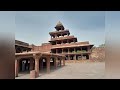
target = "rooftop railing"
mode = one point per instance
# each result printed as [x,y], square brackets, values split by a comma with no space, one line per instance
[61,31]
[65,37]
[70,44]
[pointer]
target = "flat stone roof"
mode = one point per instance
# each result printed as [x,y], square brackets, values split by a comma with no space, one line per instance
[38,52]
[63,38]
[62,31]
[68,46]
[23,46]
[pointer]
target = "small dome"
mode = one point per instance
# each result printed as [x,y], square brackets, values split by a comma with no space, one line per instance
[59,24]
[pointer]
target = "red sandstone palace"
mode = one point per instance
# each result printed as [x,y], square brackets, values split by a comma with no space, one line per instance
[65,44]
[62,46]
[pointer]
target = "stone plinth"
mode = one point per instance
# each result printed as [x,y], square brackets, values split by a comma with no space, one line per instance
[32,74]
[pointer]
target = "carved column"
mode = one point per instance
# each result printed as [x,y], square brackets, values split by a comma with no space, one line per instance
[68,51]
[63,61]
[82,56]
[48,64]
[36,65]
[68,34]
[62,42]
[74,53]
[55,35]
[16,67]
[60,62]
[74,57]
[68,57]
[67,41]
[81,53]
[81,48]
[74,50]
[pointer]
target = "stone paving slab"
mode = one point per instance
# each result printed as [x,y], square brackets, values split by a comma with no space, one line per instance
[88,70]
[78,71]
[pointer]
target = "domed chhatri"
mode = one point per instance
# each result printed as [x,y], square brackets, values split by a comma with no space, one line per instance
[59,26]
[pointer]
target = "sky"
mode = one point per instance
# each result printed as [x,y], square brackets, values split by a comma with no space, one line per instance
[33,27]
[112,27]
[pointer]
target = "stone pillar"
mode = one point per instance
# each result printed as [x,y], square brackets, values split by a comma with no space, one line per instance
[81,48]
[82,56]
[81,53]
[67,41]
[31,64]
[62,42]
[60,62]
[74,50]
[63,61]
[36,65]
[74,57]
[55,62]
[68,34]
[68,57]
[48,64]
[68,50]
[16,67]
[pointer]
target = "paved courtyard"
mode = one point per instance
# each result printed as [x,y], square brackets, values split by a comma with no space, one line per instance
[83,70]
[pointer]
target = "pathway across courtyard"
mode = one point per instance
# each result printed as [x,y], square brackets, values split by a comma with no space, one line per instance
[82,70]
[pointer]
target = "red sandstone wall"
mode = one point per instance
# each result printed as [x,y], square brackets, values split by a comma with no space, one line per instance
[46,47]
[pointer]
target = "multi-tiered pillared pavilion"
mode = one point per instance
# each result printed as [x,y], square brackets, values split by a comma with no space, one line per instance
[63,43]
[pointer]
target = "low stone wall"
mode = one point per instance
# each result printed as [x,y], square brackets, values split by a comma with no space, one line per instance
[98,54]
